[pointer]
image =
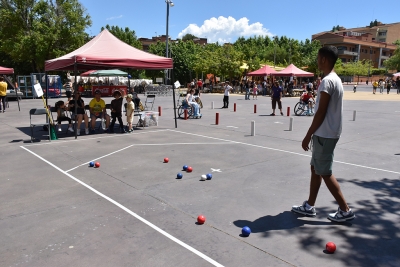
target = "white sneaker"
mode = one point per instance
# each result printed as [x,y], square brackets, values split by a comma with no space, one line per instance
[87,131]
[70,129]
[78,132]
[59,129]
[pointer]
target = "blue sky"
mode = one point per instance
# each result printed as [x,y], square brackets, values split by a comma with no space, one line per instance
[225,21]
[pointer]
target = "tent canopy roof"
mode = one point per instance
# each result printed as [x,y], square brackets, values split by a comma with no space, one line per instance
[4,70]
[292,70]
[107,51]
[264,71]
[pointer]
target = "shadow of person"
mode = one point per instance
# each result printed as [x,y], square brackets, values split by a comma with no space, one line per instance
[283,221]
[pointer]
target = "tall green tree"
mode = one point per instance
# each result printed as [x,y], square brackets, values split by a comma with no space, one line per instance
[33,31]
[393,63]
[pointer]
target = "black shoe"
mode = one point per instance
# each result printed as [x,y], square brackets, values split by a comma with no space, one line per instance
[123,130]
[272,114]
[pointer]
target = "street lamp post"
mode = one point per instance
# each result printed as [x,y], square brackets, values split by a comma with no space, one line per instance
[369,65]
[169,4]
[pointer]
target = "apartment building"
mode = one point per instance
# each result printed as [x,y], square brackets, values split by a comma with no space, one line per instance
[373,43]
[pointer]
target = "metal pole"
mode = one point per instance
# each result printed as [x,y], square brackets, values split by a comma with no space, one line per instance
[173,97]
[166,41]
[76,102]
[369,65]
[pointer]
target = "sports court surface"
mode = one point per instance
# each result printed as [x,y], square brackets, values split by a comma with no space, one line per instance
[132,211]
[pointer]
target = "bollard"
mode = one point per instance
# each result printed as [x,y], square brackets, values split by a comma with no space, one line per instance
[255,108]
[159,111]
[288,111]
[212,105]
[186,114]
[216,118]
[354,115]
[291,124]
[234,107]
[253,128]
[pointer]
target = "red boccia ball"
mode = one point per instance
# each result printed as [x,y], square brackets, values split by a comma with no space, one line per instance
[330,247]
[201,219]
[97,164]
[166,160]
[189,169]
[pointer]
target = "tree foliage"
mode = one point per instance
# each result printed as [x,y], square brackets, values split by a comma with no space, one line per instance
[393,62]
[33,31]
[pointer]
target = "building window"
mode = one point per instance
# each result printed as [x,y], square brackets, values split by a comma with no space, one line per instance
[382,34]
[341,48]
[343,60]
[362,50]
[383,53]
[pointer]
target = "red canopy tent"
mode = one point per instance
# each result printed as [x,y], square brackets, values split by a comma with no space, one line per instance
[107,51]
[4,70]
[264,71]
[292,70]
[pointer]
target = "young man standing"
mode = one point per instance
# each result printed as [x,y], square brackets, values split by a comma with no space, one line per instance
[325,131]
[3,94]
[227,89]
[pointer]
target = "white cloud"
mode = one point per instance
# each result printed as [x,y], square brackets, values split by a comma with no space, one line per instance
[112,18]
[225,30]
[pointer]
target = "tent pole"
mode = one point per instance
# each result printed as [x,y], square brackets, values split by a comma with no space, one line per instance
[173,97]
[76,102]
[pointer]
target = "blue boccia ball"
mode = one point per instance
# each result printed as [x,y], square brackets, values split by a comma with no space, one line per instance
[246,231]
[91,164]
[179,176]
[209,176]
[184,167]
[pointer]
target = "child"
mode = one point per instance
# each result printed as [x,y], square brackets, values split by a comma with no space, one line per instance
[255,91]
[116,111]
[60,106]
[130,108]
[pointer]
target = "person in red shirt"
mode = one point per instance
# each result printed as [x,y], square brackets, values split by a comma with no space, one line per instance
[308,99]
[199,84]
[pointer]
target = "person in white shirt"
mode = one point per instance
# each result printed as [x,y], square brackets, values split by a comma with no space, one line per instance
[325,131]
[227,89]
[190,98]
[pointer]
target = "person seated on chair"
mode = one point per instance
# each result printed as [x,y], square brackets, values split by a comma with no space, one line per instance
[308,99]
[80,112]
[98,111]
[60,107]
[190,99]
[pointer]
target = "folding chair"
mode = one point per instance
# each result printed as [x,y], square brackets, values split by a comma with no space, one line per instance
[67,114]
[136,113]
[149,100]
[38,112]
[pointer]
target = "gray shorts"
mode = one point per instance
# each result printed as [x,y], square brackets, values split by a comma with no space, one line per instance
[322,154]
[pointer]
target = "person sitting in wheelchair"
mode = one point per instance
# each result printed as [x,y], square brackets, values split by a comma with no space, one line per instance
[191,100]
[308,99]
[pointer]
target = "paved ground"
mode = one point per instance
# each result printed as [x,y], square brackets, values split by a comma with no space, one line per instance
[56,211]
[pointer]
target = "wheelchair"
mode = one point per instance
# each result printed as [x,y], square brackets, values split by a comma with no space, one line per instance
[302,109]
[185,106]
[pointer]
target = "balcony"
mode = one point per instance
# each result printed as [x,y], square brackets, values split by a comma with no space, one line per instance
[347,53]
[385,57]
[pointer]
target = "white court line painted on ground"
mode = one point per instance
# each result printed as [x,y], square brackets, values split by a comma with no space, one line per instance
[285,151]
[119,150]
[232,127]
[82,138]
[198,253]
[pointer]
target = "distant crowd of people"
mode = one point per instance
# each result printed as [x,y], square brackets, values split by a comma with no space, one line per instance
[386,85]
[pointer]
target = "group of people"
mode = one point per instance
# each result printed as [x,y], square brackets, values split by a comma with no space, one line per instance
[386,84]
[97,110]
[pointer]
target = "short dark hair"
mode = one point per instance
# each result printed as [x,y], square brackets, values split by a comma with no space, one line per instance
[329,52]
[1,78]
